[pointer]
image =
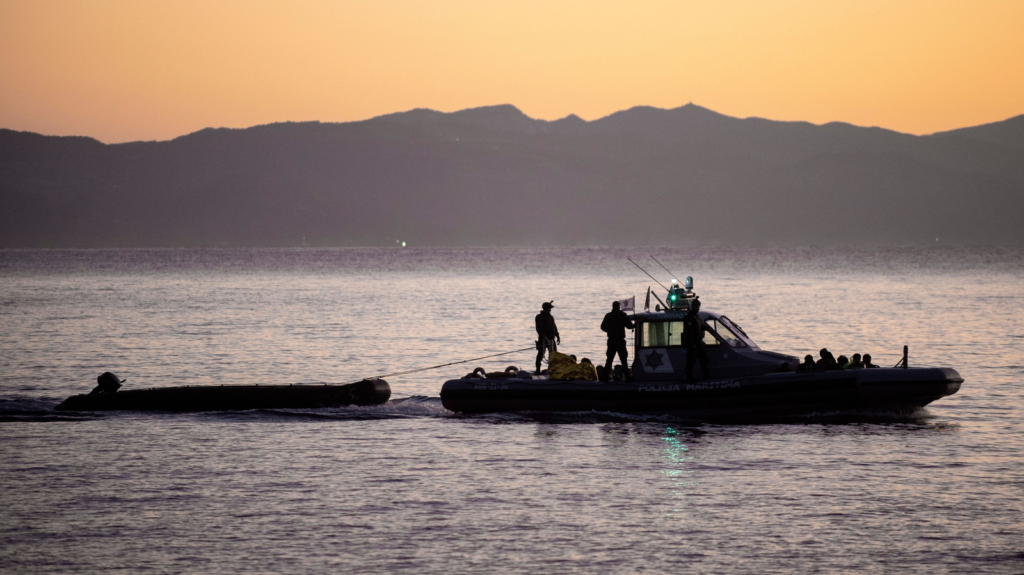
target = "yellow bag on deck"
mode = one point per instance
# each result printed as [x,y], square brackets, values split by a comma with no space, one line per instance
[561,366]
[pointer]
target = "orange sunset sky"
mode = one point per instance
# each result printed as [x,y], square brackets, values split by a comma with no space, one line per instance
[143,70]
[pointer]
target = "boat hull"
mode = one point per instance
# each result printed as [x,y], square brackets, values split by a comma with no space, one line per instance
[233,397]
[770,394]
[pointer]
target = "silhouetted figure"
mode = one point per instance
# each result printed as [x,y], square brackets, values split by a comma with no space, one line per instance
[841,362]
[693,339]
[615,324]
[808,365]
[854,362]
[620,374]
[867,361]
[107,383]
[547,332]
[827,362]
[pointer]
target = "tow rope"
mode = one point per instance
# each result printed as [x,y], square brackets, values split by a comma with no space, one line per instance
[397,373]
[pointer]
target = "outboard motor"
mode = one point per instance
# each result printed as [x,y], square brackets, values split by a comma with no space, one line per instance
[107,383]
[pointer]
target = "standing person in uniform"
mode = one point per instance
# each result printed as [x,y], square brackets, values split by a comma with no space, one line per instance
[615,324]
[693,338]
[547,332]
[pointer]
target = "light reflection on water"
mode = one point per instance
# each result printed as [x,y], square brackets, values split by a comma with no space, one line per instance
[410,486]
[676,456]
[681,478]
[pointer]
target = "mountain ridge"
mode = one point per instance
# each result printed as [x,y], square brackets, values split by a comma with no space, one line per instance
[436,178]
[509,110]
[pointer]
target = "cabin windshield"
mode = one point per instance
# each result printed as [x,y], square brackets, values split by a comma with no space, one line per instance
[725,332]
[736,328]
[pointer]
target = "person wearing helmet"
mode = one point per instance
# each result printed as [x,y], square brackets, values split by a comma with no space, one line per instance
[547,332]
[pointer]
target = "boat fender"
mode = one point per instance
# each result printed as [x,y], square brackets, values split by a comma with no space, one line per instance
[512,370]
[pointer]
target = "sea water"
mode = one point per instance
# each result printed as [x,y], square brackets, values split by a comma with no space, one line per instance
[410,486]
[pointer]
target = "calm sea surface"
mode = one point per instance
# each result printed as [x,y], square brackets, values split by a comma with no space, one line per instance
[412,487]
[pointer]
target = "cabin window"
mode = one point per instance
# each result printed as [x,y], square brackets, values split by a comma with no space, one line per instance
[723,331]
[735,327]
[661,334]
[709,337]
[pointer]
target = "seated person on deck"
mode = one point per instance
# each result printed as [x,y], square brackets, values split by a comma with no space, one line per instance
[827,361]
[854,362]
[807,366]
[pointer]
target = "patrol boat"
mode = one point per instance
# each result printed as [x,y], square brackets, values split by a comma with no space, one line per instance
[747,381]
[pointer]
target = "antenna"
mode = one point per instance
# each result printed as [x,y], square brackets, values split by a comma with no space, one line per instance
[663,306]
[648,275]
[665,268]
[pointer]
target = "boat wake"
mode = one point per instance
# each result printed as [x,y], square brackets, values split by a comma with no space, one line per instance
[415,407]
[915,415]
[41,409]
[918,416]
[33,409]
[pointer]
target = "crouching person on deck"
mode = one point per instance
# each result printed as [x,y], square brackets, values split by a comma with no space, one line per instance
[615,324]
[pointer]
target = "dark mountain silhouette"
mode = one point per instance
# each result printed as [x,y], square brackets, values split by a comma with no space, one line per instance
[494,176]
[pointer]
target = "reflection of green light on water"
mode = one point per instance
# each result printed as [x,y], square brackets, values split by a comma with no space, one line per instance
[676,455]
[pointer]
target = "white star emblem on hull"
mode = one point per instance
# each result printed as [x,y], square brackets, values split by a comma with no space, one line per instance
[655,361]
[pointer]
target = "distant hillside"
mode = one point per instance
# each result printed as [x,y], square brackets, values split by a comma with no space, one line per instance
[493,176]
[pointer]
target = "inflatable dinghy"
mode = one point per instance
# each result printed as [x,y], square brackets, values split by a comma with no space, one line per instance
[232,397]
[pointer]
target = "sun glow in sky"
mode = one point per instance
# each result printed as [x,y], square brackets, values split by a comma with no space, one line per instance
[129,70]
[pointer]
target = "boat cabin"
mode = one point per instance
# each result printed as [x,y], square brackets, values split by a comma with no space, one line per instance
[659,353]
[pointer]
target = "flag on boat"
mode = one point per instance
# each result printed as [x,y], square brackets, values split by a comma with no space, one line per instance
[627,304]
[647,302]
